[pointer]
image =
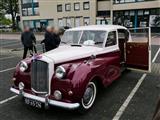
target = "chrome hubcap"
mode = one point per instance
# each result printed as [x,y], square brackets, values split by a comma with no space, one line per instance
[89,96]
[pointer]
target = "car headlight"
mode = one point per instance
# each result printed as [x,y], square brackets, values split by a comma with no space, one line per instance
[60,72]
[23,66]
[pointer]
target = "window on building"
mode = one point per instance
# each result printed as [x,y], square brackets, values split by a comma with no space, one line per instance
[30,7]
[132,13]
[26,1]
[86,6]
[24,11]
[103,13]
[68,7]
[59,8]
[77,6]
[140,12]
[111,39]
[60,22]
[68,21]
[77,22]
[146,12]
[86,21]
[50,22]
[64,21]
[36,11]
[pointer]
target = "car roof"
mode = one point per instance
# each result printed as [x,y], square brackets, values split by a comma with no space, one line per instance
[98,27]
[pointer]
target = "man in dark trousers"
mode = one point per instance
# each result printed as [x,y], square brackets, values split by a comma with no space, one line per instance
[51,40]
[28,40]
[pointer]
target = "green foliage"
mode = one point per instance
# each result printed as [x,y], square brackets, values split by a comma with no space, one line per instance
[5,21]
[9,7]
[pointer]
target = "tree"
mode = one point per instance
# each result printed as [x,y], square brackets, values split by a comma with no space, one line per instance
[10,7]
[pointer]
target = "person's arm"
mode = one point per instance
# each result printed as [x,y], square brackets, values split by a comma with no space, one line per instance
[33,38]
[22,39]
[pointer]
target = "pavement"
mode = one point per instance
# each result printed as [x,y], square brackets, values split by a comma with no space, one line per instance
[132,97]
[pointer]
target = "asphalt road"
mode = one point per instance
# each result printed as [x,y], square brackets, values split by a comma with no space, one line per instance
[108,103]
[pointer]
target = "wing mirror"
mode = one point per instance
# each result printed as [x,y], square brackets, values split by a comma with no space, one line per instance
[90,59]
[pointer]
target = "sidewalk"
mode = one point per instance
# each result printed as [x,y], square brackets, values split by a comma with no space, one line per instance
[18,36]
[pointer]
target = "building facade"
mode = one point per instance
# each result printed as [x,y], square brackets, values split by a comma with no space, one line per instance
[72,13]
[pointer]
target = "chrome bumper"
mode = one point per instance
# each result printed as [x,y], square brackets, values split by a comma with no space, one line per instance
[46,101]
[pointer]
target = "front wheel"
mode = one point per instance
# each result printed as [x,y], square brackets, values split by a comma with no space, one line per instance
[88,97]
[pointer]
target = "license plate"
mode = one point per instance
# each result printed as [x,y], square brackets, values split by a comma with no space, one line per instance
[33,103]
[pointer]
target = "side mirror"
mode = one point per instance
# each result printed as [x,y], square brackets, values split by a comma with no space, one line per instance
[90,59]
[93,57]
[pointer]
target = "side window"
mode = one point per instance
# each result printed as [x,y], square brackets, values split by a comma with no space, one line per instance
[123,34]
[111,39]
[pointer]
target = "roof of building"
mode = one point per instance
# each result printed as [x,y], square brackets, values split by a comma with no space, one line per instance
[98,27]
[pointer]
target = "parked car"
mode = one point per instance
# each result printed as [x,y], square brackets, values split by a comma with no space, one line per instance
[88,56]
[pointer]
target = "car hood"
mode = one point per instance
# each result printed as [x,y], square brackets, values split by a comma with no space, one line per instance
[68,53]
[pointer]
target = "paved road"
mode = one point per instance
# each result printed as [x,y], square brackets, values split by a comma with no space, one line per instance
[108,102]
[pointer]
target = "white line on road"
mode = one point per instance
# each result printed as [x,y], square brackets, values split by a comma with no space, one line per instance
[8,99]
[7,57]
[7,69]
[129,98]
[131,95]
[154,59]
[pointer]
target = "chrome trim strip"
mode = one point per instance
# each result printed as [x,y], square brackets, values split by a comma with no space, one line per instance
[43,100]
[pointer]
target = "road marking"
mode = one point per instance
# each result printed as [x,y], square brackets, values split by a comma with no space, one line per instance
[8,99]
[7,57]
[131,95]
[129,98]
[7,69]
[155,57]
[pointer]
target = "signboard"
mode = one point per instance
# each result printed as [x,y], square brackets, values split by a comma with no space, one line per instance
[154,21]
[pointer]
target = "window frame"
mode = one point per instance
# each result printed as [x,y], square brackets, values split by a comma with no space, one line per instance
[116,42]
[66,7]
[77,3]
[60,5]
[84,5]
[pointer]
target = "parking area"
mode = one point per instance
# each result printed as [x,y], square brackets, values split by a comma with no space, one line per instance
[132,97]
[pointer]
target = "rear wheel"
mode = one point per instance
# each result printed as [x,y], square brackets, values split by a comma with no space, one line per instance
[88,97]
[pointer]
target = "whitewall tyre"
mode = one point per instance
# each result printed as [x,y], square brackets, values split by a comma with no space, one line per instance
[89,97]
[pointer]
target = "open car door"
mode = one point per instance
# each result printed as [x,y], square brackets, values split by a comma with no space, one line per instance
[138,50]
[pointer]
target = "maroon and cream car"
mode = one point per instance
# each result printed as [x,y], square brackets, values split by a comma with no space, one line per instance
[88,57]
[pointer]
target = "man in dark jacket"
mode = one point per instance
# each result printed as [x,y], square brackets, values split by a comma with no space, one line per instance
[51,40]
[28,40]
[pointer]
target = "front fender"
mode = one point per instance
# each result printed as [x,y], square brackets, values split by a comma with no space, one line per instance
[84,73]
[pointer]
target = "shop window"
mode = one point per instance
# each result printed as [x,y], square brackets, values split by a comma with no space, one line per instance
[126,13]
[140,12]
[132,13]
[86,6]
[76,6]
[68,7]
[146,12]
[50,22]
[59,8]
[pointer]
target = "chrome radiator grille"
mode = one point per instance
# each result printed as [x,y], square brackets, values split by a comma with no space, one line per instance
[39,76]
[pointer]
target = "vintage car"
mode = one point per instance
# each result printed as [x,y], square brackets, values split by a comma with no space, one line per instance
[88,58]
